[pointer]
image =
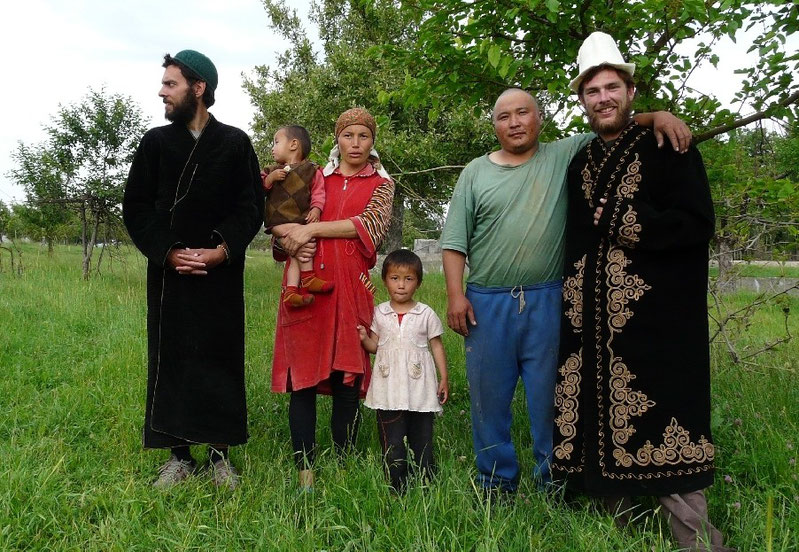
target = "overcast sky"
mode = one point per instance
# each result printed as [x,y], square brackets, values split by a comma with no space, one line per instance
[54,50]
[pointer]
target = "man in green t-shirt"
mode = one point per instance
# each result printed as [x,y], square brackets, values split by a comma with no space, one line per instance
[507,215]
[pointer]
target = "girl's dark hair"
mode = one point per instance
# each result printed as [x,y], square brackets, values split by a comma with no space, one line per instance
[403,257]
[191,77]
[296,132]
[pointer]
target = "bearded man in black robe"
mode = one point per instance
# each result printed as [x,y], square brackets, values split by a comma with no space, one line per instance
[632,398]
[192,204]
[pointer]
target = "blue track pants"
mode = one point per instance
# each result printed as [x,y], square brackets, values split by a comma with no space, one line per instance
[516,336]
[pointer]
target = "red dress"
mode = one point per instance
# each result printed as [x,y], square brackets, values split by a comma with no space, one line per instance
[312,341]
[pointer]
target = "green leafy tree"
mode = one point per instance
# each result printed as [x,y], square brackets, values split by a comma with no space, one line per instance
[421,147]
[5,226]
[475,49]
[754,183]
[83,165]
[39,173]
[5,216]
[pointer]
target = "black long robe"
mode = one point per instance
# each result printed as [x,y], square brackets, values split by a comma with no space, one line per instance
[183,192]
[632,401]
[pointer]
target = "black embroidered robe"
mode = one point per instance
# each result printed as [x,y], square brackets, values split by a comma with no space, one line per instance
[632,401]
[187,193]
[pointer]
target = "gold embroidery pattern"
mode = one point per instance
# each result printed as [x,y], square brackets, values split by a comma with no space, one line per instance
[676,448]
[630,180]
[629,229]
[588,183]
[622,288]
[598,337]
[573,294]
[625,403]
[566,393]
[591,176]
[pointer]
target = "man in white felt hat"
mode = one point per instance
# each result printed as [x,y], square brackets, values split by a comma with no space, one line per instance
[632,395]
[507,215]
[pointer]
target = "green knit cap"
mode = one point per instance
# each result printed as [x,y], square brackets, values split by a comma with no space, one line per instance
[200,64]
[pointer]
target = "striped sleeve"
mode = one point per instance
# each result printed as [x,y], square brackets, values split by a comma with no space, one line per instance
[372,225]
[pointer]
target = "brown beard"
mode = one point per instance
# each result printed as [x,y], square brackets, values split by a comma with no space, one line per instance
[184,111]
[614,126]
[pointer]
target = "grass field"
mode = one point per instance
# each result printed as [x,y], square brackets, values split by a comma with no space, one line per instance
[756,271]
[73,475]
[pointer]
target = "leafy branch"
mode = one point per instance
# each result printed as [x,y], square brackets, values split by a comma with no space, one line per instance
[768,112]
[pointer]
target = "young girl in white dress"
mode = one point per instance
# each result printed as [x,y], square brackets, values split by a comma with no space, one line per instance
[406,337]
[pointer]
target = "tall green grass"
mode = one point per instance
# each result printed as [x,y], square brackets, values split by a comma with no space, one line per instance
[73,475]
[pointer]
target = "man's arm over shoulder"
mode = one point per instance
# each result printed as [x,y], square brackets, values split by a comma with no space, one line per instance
[572,144]
[666,126]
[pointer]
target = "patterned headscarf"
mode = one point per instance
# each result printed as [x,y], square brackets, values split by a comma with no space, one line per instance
[356,116]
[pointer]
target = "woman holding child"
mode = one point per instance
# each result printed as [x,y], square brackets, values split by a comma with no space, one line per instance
[317,349]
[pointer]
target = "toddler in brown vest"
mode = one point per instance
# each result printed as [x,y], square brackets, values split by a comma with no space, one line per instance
[295,192]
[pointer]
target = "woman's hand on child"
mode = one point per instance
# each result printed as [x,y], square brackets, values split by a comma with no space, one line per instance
[296,237]
[313,215]
[306,252]
[362,333]
[443,391]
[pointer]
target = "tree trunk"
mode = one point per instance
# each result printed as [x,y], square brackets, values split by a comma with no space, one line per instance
[83,237]
[102,251]
[394,236]
[16,267]
[726,276]
[88,249]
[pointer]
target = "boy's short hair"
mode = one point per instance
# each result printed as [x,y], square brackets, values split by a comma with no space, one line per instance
[403,257]
[296,132]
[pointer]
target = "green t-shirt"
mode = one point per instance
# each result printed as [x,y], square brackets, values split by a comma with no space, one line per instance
[510,221]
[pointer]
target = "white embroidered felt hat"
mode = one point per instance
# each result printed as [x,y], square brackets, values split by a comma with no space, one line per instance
[599,49]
